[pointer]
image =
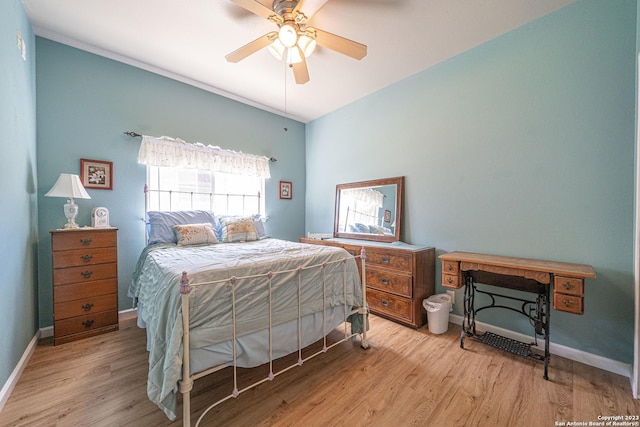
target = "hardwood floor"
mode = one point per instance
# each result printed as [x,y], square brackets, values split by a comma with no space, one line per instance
[407,378]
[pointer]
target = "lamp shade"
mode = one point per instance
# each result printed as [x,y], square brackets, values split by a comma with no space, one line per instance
[288,35]
[307,44]
[276,49]
[68,186]
[293,56]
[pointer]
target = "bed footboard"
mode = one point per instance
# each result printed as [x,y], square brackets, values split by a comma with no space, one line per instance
[186,384]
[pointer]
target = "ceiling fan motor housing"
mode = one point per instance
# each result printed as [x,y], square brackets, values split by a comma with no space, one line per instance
[284,6]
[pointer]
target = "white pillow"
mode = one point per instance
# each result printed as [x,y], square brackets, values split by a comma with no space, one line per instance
[195,234]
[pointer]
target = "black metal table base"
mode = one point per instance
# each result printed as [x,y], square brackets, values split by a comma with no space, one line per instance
[537,311]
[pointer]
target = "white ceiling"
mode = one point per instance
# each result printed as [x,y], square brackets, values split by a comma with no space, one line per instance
[188,41]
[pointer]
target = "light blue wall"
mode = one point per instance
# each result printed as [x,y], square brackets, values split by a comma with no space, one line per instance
[86,102]
[18,217]
[523,146]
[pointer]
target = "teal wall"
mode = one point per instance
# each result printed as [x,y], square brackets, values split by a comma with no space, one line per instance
[86,102]
[523,146]
[18,218]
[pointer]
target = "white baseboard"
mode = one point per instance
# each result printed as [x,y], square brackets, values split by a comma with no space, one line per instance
[127,314]
[590,359]
[17,371]
[46,332]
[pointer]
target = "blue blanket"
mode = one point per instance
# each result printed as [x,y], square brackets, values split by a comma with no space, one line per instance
[156,286]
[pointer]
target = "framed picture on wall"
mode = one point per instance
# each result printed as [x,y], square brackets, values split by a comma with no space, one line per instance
[286,190]
[387,215]
[97,174]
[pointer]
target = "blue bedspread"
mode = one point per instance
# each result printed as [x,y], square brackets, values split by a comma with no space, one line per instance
[156,285]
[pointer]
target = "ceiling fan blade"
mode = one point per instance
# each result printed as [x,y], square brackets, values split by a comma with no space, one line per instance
[340,44]
[298,7]
[252,47]
[300,70]
[259,9]
[309,7]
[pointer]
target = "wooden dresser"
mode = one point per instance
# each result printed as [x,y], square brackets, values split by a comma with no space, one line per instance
[399,277]
[85,282]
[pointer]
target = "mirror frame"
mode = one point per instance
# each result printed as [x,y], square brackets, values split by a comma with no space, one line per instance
[399,182]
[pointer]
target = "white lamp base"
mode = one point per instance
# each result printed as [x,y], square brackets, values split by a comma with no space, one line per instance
[70,212]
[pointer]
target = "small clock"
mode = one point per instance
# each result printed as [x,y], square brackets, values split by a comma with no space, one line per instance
[100,217]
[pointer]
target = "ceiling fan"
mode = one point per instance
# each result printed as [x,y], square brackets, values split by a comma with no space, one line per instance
[294,38]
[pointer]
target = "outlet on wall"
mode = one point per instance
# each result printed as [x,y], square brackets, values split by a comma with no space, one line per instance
[452,294]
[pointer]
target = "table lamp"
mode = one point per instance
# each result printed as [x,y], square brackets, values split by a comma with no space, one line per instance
[69,186]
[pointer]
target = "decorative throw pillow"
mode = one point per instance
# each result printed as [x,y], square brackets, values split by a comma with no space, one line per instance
[195,234]
[238,229]
[258,224]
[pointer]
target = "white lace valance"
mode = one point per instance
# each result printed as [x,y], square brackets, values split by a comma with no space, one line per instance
[367,195]
[165,151]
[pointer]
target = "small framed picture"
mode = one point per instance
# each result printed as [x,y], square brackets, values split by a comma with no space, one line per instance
[286,189]
[387,215]
[96,174]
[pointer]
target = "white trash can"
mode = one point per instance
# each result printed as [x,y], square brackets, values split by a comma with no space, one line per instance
[438,307]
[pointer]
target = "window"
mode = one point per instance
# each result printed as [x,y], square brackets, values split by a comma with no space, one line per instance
[178,188]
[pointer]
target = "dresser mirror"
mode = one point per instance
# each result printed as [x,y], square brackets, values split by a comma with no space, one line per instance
[369,210]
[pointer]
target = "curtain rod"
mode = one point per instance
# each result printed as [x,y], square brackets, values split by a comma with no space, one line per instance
[137,135]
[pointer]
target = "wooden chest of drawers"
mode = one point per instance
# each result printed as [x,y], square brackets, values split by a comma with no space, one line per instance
[85,282]
[399,276]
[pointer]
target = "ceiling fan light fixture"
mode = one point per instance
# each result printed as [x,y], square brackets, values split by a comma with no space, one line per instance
[288,35]
[276,49]
[293,56]
[307,44]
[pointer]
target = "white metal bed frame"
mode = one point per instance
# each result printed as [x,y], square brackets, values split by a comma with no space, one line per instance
[186,384]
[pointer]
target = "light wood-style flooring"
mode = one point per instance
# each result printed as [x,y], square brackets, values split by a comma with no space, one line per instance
[407,378]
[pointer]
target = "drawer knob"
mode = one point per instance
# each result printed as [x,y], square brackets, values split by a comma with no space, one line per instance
[86,257]
[449,267]
[385,281]
[86,274]
[385,260]
[385,303]
[567,285]
[86,241]
[449,280]
[87,306]
[88,323]
[567,303]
